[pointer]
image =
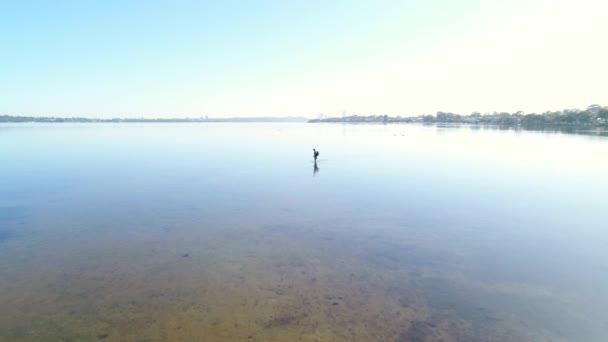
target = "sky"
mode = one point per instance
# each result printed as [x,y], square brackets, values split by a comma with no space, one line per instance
[300,58]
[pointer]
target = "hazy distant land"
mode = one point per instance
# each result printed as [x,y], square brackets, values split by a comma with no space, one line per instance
[9,118]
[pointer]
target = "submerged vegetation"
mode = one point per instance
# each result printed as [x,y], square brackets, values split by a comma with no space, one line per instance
[594,115]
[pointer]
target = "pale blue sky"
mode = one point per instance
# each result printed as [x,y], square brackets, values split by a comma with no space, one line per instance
[253,58]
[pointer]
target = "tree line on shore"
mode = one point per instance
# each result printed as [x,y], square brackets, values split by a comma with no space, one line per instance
[594,115]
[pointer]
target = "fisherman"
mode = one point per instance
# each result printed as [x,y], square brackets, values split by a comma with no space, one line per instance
[315,154]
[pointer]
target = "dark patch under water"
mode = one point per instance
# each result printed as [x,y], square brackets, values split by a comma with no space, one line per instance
[418,331]
[11,214]
[5,235]
[8,216]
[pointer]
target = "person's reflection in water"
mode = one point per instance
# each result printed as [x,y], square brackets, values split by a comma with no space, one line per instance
[315,169]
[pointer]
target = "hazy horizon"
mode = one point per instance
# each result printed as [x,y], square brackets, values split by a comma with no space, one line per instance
[159,59]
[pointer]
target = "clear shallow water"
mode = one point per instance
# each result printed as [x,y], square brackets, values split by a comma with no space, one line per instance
[224,232]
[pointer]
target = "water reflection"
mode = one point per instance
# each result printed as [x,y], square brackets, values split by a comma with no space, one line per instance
[315,169]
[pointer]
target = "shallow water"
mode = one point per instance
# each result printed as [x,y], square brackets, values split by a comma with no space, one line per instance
[224,232]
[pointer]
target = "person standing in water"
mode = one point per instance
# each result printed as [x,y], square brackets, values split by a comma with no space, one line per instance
[315,154]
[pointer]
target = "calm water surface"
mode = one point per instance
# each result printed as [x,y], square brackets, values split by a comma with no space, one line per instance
[224,232]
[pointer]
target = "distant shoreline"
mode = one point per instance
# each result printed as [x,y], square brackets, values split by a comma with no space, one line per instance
[593,116]
[475,124]
[33,119]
